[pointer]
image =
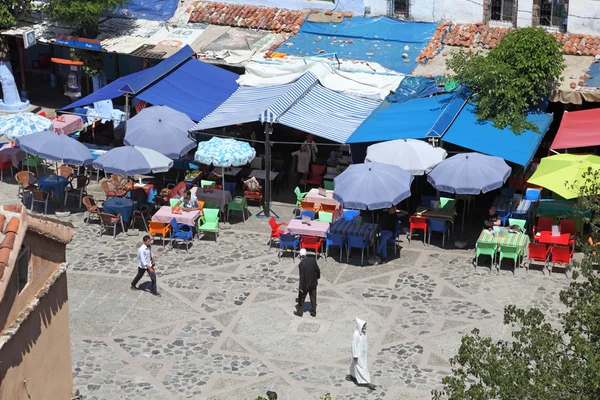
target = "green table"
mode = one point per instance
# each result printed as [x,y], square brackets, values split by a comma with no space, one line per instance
[520,240]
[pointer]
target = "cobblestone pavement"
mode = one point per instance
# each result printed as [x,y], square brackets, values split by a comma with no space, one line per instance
[224,329]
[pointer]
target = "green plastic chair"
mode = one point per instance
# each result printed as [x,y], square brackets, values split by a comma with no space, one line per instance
[325,216]
[328,185]
[208,204]
[447,203]
[519,222]
[239,203]
[33,162]
[173,202]
[210,221]
[485,249]
[207,183]
[299,196]
[510,252]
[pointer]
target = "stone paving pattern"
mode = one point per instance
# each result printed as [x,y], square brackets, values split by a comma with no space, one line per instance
[224,329]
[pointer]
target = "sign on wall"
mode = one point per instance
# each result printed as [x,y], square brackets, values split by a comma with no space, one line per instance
[81,43]
[29,39]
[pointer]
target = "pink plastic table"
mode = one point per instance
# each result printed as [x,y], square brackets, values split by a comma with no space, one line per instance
[12,154]
[313,196]
[71,123]
[186,217]
[316,228]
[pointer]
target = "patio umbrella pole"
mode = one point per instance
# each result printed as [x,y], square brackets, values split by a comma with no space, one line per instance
[267,197]
[223,187]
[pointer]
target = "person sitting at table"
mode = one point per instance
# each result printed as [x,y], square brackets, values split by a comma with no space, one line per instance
[387,222]
[492,218]
[189,202]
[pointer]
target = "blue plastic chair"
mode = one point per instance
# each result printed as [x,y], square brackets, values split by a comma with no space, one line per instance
[438,225]
[532,194]
[350,214]
[357,242]
[311,214]
[334,239]
[230,187]
[504,216]
[287,241]
[426,201]
[394,239]
[181,232]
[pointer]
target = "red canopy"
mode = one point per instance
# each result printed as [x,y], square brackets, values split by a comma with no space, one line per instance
[578,129]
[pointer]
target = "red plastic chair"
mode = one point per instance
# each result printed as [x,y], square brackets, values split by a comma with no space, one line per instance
[538,252]
[4,165]
[561,255]
[568,226]
[418,223]
[275,231]
[311,243]
[543,224]
[315,176]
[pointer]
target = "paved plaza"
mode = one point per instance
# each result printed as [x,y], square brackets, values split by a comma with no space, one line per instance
[224,326]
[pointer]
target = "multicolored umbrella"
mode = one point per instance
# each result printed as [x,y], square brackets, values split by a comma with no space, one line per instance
[224,152]
[563,173]
[14,126]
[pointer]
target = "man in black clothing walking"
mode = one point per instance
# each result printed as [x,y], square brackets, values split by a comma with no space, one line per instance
[309,279]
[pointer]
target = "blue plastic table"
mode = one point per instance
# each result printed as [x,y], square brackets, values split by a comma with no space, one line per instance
[120,205]
[53,183]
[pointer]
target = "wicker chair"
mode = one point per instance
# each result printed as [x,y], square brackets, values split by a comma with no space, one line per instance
[40,196]
[79,190]
[65,171]
[92,207]
[110,221]
[26,181]
[111,191]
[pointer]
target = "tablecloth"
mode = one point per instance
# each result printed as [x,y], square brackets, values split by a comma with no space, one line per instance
[437,213]
[13,154]
[186,217]
[70,124]
[351,228]
[313,196]
[120,205]
[53,183]
[316,228]
[520,240]
[215,197]
[547,238]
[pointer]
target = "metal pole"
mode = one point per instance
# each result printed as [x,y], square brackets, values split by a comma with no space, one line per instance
[20,47]
[267,196]
[126,106]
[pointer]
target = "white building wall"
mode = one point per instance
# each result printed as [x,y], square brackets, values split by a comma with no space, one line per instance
[467,11]
[525,13]
[377,7]
[584,17]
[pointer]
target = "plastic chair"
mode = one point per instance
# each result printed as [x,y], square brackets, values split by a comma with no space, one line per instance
[426,201]
[485,249]
[3,166]
[91,207]
[325,216]
[315,176]
[532,194]
[504,216]
[207,183]
[40,196]
[561,255]
[538,252]
[26,181]
[288,241]
[394,238]
[299,196]
[349,215]
[568,226]
[239,203]
[330,208]
[174,202]
[447,203]
[307,205]
[110,221]
[519,222]
[230,187]
[209,222]
[334,239]
[33,162]
[419,223]
[357,242]
[543,224]
[159,229]
[309,213]
[181,232]
[438,225]
[311,243]
[275,231]
[510,252]
[328,185]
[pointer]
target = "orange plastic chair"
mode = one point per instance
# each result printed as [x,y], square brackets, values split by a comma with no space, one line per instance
[307,205]
[328,207]
[160,229]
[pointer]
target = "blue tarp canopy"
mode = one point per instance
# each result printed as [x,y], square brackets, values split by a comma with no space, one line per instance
[180,82]
[380,40]
[469,132]
[155,10]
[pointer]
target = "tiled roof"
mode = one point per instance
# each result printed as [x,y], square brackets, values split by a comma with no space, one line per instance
[10,235]
[278,20]
[486,37]
[435,44]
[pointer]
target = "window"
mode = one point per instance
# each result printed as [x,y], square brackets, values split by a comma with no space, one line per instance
[23,268]
[554,13]
[401,8]
[502,10]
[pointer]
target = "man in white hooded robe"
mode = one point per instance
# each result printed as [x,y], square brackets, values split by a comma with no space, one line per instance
[359,372]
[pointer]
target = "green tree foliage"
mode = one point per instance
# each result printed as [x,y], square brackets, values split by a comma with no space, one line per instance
[10,12]
[515,76]
[542,361]
[83,13]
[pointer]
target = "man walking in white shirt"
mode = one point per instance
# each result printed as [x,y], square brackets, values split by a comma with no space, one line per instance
[145,263]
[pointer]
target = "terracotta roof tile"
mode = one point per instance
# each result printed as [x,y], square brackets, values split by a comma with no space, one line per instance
[13,225]
[435,44]
[486,37]
[4,255]
[246,16]
[2,221]
[8,241]
[13,208]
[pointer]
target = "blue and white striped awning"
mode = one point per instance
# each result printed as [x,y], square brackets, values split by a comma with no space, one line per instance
[303,105]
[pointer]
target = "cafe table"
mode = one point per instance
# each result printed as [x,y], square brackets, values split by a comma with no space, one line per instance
[67,124]
[214,197]
[13,154]
[53,183]
[314,196]
[165,215]
[520,240]
[444,214]
[316,228]
[546,237]
[120,205]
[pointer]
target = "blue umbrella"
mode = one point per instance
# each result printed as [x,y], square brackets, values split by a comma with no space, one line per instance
[14,126]
[469,173]
[56,147]
[133,160]
[372,186]
[162,129]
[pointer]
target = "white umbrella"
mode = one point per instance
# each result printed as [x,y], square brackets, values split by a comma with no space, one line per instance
[414,156]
